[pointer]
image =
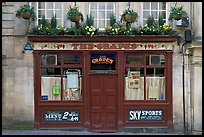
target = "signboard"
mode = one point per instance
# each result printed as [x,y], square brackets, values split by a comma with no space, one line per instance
[146,115]
[104,46]
[61,116]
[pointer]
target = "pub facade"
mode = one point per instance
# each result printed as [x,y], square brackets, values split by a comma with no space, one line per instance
[103,83]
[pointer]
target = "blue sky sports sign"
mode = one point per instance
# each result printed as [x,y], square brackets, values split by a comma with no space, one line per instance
[145,115]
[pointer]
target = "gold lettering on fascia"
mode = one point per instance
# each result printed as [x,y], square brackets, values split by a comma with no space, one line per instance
[103,46]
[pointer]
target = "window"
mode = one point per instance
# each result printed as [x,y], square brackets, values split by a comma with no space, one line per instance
[145,76]
[61,77]
[154,8]
[101,12]
[48,9]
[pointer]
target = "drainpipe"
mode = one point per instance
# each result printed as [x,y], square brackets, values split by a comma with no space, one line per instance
[183,80]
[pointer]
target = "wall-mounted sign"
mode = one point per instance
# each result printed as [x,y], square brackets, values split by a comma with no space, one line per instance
[146,115]
[103,61]
[104,46]
[61,116]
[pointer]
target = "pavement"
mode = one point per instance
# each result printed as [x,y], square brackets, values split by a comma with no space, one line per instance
[68,132]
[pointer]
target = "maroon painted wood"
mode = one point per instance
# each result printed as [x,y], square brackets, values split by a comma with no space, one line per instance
[112,113]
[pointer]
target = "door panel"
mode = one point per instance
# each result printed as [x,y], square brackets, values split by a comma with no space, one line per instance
[103,102]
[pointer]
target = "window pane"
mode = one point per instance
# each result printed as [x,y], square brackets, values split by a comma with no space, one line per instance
[50,88]
[154,6]
[102,5]
[110,5]
[50,84]
[49,5]
[71,59]
[146,5]
[154,13]
[134,84]
[103,61]
[162,14]
[155,84]
[72,84]
[134,59]
[41,13]
[155,59]
[58,14]
[58,5]
[101,15]
[50,13]
[93,5]
[101,23]
[50,59]
[146,14]
[41,5]
[162,5]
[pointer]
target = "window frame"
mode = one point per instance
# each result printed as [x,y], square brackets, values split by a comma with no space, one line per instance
[145,67]
[105,10]
[150,10]
[54,11]
[61,66]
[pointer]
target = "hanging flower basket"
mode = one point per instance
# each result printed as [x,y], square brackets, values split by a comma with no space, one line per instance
[75,18]
[26,15]
[129,18]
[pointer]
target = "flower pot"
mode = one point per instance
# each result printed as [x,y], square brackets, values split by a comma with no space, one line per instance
[26,15]
[75,18]
[129,18]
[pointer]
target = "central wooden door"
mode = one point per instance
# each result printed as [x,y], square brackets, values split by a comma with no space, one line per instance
[103,102]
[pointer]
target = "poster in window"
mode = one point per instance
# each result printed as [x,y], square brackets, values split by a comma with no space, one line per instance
[72,80]
[133,79]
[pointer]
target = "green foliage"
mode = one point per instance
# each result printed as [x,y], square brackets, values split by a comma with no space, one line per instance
[53,21]
[112,20]
[150,20]
[156,30]
[74,11]
[75,31]
[177,13]
[161,21]
[26,9]
[89,20]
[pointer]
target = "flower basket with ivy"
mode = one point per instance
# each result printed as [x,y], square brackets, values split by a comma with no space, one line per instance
[26,12]
[74,15]
[129,16]
[177,13]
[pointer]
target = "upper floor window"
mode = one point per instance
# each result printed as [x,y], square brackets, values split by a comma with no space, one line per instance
[154,8]
[101,12]
[48,9]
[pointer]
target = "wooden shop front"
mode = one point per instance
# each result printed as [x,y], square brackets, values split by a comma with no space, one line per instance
[103,83]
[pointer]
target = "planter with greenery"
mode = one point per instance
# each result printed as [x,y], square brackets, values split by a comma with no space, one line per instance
[177,13]
[26,12]
[74,15]
[129,16]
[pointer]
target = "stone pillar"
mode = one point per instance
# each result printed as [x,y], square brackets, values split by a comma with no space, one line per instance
[195,52]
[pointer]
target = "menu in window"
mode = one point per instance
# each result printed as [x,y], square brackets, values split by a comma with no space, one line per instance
[72,80]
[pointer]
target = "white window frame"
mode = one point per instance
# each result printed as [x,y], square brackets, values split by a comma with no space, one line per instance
[150,10]
[54,10]
[104,10]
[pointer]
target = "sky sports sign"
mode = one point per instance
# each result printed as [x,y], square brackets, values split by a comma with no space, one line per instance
[146,115]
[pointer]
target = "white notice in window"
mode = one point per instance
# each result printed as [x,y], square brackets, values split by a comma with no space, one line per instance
[72,80]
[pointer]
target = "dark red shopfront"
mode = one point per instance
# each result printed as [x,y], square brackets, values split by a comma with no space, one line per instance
[103,83]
